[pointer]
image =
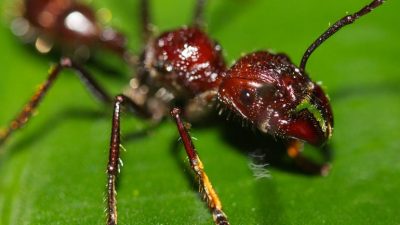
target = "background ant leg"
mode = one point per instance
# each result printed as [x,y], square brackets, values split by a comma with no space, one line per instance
[209,194]
[26,113]
[198,16]
[294,151]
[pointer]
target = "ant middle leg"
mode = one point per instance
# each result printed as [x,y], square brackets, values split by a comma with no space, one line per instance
[65,63]
[113,166]
[113,161]
[206,189]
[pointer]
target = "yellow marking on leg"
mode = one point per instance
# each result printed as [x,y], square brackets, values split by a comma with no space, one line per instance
[211,194]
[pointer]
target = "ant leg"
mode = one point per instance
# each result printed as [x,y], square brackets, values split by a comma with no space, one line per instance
[26,113]
[346,20]
[294,152]
[209,194]
[198,17]
[113,160]
[145,20]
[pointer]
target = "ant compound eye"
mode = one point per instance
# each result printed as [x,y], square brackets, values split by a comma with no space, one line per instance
[247,97]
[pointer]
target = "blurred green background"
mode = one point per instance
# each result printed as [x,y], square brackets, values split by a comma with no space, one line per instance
[53,172]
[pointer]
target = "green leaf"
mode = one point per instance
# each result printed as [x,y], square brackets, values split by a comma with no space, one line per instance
[53,170]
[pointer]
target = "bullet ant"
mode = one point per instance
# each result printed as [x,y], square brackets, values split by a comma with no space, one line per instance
[67,25]
[183,70]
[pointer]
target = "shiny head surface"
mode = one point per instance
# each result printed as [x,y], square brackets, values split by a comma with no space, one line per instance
[277,97]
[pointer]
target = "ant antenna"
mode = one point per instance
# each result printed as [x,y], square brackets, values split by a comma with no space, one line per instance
[198,17]
[145,20]
[349,19]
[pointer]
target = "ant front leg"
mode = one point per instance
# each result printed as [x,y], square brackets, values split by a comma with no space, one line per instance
[294,151]
[23,117]
[209,194]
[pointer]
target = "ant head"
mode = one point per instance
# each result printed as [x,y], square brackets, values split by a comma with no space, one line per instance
[273,94]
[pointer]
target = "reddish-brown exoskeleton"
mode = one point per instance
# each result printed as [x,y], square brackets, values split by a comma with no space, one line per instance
[185,68]
[68,25]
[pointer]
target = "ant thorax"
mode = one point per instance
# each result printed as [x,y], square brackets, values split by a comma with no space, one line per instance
[183,66]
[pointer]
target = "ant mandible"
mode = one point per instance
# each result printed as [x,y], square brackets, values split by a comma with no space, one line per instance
[184,68]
